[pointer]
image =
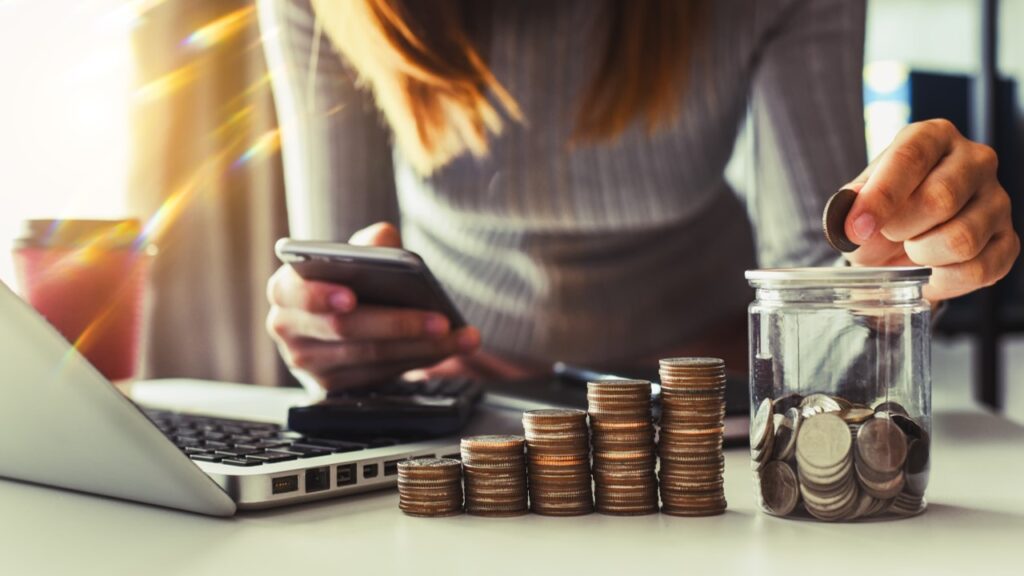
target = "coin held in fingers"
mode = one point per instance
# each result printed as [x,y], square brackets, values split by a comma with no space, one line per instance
[833,220]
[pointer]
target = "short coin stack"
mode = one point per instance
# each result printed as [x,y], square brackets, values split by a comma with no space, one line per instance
[558,458]
[495,473]
[690,438]
[430,487]
[622,434]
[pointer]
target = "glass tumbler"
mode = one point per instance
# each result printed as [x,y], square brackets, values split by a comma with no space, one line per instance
[840,390]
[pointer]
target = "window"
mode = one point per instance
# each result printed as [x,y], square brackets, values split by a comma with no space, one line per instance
[65,99]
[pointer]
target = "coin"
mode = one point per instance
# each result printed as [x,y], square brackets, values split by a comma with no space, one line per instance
[430,487]
[833,220]
[622,436]
[495,475]
[882,446]
[824,441]
[558,461]
[819,404]
[779,489]
[690,436]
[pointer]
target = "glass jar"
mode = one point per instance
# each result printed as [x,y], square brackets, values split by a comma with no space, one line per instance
[840,390]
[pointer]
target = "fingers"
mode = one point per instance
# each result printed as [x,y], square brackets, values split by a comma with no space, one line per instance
[896,174]
[940,197]
[964,237]
[324,357]
[289,290]
[379,234]
[365,323]
[991,265]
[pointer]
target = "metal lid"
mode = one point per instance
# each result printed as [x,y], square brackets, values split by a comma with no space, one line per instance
[832,275]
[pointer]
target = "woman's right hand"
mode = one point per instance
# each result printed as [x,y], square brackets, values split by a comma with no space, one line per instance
[324,334]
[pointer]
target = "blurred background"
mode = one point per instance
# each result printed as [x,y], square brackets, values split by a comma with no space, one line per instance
[161,110]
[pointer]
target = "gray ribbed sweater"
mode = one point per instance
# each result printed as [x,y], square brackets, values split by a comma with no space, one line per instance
[602,253]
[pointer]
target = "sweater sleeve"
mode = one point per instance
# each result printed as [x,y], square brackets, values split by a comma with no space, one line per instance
[336,151]
[808,124]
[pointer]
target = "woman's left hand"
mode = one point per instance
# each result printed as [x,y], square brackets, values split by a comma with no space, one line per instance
[932,199]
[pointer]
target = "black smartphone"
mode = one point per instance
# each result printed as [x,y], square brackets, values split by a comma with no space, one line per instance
[378,275]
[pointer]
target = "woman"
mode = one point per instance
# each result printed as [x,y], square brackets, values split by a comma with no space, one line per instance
[560,166]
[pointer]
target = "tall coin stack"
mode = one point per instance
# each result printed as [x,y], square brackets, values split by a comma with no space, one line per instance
[622,434]
[558,462]
[690,438]
[430,487]
[495,472]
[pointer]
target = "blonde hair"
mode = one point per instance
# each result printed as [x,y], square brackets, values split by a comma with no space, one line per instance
[433,87]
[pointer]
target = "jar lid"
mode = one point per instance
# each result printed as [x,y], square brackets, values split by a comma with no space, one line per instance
[832,275]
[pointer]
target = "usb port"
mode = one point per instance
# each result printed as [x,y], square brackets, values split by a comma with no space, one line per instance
[284,484]
[318,479]
[346,475]
[391,467]
[370,471]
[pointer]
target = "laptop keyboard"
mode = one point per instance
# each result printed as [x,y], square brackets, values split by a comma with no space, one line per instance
[242,443]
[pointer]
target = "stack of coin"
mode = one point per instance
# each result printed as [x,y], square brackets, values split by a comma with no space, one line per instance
[824,455]
[558,458]
[495,473]
[430,487]
[622,432]
[690,437]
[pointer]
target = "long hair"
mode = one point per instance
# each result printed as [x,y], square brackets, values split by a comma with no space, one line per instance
[441,99]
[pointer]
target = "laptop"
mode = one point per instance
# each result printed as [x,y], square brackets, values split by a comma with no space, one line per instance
[63,424]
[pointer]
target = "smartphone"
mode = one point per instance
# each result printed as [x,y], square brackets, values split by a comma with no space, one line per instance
[378,275]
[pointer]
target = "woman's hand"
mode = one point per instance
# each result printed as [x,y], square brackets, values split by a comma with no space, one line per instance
[323,332]
[932,199]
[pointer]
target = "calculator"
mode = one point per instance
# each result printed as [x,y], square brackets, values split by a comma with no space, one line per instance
[406,410]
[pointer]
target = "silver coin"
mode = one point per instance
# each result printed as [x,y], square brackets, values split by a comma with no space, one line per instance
[824,441]
[819,404]
[780,490]
[761,427]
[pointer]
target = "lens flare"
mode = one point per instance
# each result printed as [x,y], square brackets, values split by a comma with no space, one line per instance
[220,29]
[264,146]
[166,84]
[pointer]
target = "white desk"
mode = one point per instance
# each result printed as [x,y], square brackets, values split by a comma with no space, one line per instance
[974,525]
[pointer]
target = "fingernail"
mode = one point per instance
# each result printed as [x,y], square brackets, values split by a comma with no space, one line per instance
[864,226]
[341,301]
[469,339]
[436,324]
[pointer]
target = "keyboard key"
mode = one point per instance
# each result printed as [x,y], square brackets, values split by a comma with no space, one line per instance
[307,451]
[215,436]
[183,441]
[215,444]
[273,456]
[237,452]
[335,445]
[241,462]
[196,450]
[206,457]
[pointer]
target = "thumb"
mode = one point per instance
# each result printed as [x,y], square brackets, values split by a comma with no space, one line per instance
[379,234]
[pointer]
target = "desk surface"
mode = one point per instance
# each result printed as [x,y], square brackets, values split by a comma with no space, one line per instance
[975,521]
